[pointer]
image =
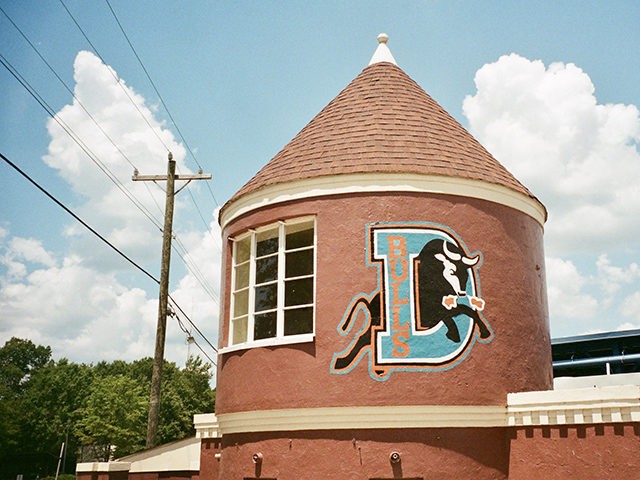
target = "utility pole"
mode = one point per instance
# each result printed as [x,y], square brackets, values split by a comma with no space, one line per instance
[158,357]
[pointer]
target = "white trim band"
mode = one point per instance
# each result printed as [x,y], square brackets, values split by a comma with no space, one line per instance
[371,417]
[206,425]
[553,407]
[613,404]
[381,182]
[85,467]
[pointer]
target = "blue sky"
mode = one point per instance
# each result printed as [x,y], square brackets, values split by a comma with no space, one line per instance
[241,79]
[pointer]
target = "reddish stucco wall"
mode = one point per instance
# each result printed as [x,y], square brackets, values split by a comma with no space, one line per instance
[125,475]
[512,284]
[209,464]
[174,475]
[576,452]
[102,476]
[361,454]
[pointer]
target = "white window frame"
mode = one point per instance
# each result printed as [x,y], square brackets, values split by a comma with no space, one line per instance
[280,338]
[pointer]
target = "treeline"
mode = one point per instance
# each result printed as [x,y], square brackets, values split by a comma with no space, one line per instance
[99,411]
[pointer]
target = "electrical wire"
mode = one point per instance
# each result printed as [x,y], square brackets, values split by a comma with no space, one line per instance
[194,269]
[192,324]
[92,156]
[144,117]
[190,337]
[197,274]
[175,124]
[190,265]
[64,84]
[184,141]
[66,209]
[97,52]
[111,245]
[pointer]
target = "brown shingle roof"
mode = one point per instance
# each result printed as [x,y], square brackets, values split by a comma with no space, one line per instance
[382,122]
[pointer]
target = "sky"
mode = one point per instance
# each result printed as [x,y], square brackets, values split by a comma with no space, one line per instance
[550,88]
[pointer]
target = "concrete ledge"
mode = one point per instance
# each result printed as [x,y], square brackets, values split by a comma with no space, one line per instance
[575,406]
[369,417]
[206,425]
[613,404]
[103,467]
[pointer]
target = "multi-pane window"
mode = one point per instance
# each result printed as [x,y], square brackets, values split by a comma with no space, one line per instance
[273,283]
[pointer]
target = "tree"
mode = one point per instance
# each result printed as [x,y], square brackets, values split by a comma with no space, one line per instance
[184,392]
[50,406]
[44,402]
[18,360]
[114,416]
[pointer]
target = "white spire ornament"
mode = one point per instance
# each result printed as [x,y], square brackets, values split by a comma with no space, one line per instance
[382,53]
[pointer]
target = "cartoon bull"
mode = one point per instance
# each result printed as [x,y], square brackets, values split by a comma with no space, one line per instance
[441,274]
[442,270]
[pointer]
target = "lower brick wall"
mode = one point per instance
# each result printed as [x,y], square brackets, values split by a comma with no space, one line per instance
[123,475]
[580,452]
[164,476]
[209,464]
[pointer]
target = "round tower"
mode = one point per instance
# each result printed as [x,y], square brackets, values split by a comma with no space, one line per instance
[383,291]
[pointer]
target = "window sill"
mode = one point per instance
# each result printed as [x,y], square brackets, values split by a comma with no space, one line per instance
[269,342]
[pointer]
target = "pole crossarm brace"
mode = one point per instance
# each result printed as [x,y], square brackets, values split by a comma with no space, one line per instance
[136,177]
[152,178]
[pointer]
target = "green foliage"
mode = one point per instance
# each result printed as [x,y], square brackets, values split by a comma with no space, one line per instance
[99,408]
[62,476]
[18,360]
[115,414]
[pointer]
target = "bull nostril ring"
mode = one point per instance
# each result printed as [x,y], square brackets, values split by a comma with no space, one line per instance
[394,457]
[256,457]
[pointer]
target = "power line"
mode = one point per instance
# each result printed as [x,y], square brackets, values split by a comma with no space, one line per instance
[124,33]
[190,337]
[44,60]
[175,124]
[66,209]
[144,117]
[194,269]
[66,127]
[142,114]
[192,324]
[92,156]
[117,80]
[107,242]
[198,275]
[190,266]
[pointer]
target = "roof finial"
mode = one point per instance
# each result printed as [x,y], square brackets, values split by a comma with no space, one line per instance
[382,53]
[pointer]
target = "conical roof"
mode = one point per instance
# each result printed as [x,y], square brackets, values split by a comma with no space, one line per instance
[382,122]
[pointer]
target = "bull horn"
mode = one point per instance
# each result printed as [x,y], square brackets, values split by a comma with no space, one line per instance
[470,261]
[452,256]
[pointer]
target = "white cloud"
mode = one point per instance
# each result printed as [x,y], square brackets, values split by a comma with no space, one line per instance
[631,307]
[611,278]
[141,140]
[85,302]
[565,290]
[86,315]
[628,326]
[579,157]
[20,252]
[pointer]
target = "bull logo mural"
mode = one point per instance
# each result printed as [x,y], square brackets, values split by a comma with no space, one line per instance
[427,311]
